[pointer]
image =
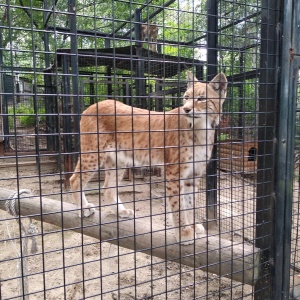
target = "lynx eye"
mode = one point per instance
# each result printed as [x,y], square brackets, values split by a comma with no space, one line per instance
[200,98]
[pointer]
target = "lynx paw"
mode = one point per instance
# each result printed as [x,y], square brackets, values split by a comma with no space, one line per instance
[186,235]
[87,210]
[126,213]
[199,229]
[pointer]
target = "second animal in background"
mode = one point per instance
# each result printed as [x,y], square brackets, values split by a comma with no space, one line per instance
[149,32]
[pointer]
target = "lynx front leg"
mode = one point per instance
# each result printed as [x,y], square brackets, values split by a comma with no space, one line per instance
[189,197]
[184,232]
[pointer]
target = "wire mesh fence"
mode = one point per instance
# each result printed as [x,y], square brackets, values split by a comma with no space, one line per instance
[141,147]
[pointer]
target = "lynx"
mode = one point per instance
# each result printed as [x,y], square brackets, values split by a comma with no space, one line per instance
[150,32]
[114,135]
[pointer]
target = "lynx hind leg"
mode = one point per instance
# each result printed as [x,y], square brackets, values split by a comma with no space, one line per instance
[111,197]
[83,173]
[190,205]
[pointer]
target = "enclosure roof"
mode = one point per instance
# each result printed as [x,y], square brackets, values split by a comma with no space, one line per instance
[128,58]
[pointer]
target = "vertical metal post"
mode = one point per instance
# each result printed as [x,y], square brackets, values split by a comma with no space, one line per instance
[50,100]
[199,72]
[241,116]
[124,90]
[75,73]
[1,98]
[1,48]
[286,134]
[211,170]
[140,73]
[2,139]
[36,127]
[107,43]
[108,74]
[158,101]
[4,108]
[212,38]
[92,90]
[264,287]
[67,120]
[109,83]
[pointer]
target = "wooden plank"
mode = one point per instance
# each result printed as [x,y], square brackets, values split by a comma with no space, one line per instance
[238,261]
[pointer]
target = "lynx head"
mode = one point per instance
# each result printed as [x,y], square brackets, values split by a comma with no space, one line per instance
[203,99]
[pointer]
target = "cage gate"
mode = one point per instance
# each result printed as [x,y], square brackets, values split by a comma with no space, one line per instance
[149,149]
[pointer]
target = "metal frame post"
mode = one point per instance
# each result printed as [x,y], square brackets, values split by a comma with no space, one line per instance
[50,99]
[265,201]
[286,136]
[140,73]
[75,73]
[212,69]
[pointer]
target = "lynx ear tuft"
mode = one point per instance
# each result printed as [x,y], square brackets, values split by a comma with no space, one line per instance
[191,78]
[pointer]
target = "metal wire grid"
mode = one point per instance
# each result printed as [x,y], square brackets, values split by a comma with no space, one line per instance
[75,266]
[295,267]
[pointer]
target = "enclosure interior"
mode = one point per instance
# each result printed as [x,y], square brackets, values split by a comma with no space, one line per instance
[59,57]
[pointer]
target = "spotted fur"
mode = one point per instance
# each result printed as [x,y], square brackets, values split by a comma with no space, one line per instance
[114,135]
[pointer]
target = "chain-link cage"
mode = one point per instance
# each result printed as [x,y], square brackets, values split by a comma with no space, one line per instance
[146,149]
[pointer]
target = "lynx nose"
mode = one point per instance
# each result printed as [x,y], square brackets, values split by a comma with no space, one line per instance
[186,109]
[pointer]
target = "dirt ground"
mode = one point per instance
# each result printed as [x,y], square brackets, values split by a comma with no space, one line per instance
[68,265]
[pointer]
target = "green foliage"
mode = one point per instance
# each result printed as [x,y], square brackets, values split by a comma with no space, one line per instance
[22,29]
[223,136]
[24,115]
[182,21]
[22,24]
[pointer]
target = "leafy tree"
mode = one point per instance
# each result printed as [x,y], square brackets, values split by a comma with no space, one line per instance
[23,31]
[184,21]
